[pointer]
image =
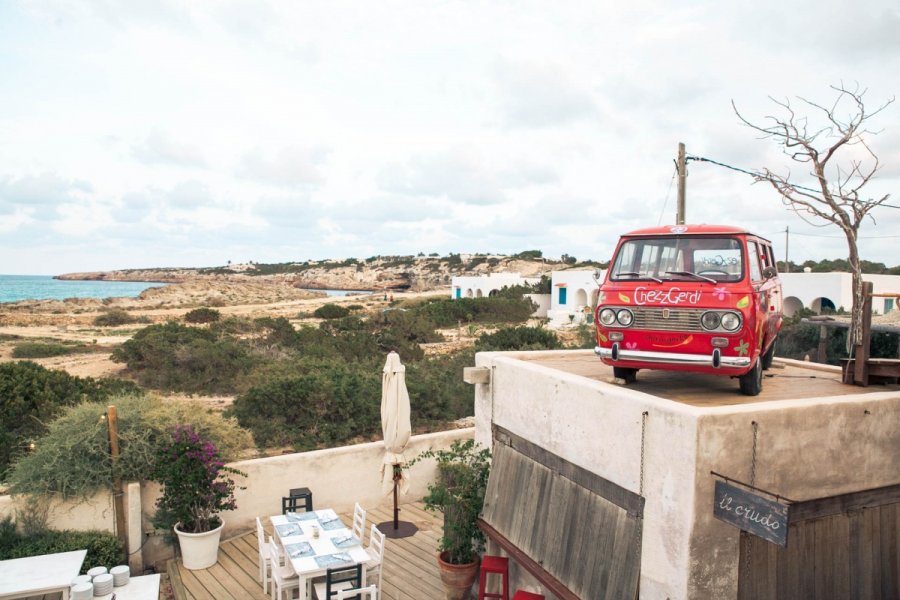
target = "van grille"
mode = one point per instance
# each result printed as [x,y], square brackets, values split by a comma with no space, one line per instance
[680,319]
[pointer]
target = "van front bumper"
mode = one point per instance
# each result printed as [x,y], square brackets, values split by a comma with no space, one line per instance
[714,359]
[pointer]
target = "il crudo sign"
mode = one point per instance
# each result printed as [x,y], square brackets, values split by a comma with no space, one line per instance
[751,513]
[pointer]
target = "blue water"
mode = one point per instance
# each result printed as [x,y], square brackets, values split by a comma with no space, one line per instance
[340,293]
[44,287]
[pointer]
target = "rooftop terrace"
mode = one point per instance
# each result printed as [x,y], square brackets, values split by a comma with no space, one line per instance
[410,570]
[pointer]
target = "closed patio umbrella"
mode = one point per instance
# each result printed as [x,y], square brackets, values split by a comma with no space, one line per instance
[396,429]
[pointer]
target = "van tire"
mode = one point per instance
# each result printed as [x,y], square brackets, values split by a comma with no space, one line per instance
[625,374]
[751,381]
[769,356]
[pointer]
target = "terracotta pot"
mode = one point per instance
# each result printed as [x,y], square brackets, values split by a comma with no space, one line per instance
[457,579]
[199,550]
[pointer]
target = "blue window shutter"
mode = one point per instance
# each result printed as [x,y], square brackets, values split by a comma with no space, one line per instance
[562,295]
[459,292]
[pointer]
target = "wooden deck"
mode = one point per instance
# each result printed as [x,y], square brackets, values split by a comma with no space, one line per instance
[410,569]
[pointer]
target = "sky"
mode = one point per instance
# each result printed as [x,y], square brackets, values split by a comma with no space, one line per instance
[184,134]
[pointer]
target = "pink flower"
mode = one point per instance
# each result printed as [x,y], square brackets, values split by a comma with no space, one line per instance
[719,293]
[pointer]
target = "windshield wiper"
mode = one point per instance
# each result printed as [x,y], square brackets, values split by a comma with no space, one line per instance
[633,274]
[689,274]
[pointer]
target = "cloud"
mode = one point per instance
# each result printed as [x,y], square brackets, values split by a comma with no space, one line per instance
[159,148]
[46,189]
[540,95]
[292,166]
[461,176]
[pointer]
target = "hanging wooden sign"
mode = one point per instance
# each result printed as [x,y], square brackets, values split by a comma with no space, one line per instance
[752,513]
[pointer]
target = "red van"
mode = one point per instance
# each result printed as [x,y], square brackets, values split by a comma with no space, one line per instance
[702,298]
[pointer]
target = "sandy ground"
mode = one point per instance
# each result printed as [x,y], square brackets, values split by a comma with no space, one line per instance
[48,322]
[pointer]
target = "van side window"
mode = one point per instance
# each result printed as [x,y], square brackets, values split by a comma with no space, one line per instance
[753,261]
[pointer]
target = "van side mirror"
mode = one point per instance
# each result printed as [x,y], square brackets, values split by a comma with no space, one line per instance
[598,274]
[769,272]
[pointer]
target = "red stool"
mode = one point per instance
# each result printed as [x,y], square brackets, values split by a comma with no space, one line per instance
[498,565]
[523,595]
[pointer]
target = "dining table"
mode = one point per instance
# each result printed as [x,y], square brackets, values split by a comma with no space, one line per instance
[315,541]
[42,574]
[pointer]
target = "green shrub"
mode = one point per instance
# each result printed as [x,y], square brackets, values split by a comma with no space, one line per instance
[44,350]
[103,548]
[33,396]
[202,315]
[437,392]
[324,407]
[72,459]
[447,312]
[117,316]
[331,311]
[518,338]
[177,357]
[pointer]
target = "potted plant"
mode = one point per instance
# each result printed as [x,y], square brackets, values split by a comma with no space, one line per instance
[195,489]
[459,494]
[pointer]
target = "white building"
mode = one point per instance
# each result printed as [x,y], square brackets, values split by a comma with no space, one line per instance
[818,291]
[573,295]
[480,286]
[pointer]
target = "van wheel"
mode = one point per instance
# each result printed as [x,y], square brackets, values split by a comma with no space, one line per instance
[751,382]
[769,356]
[629,375]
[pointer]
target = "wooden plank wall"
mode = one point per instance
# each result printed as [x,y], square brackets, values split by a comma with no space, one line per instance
[587,542]
[846,556]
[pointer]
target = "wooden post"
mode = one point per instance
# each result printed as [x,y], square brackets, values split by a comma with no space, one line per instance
[861,352]
[118,497]
[681,167]
[823,345]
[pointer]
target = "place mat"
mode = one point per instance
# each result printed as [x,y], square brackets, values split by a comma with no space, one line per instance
[288,529]
[330,560]
[344,542]
[299,550]
[304,516]
[330,524]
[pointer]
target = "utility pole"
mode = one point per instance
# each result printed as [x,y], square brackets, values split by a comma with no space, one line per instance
[787,234]
[681,167]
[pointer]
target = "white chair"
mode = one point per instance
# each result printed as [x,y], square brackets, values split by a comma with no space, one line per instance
[375,549]
[367,593]
[283,577]
[265,564]
[359,522]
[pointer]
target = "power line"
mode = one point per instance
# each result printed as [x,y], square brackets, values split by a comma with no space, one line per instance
[758,175]
[666,201]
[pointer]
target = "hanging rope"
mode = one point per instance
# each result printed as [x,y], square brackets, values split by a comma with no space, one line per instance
[747,537]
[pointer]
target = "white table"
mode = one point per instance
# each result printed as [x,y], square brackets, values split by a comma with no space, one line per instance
[44,574]
[306,567]
[142,587]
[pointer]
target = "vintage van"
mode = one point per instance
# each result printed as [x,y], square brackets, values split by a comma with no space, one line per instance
[703,298]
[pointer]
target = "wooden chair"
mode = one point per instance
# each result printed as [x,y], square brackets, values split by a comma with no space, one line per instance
[337,579]
[375,549]
[283,577]
[297,498]
[359,522]
[366,593]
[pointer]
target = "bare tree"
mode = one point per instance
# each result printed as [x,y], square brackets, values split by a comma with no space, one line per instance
[833,145]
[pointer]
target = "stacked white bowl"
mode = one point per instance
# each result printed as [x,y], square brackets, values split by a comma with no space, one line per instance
[96,571]
[103,584]
[82,591]
[120,574]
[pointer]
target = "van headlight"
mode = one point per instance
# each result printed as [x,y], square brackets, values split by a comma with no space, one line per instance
[625,317]
[608,317]
[731,321]
[710,320]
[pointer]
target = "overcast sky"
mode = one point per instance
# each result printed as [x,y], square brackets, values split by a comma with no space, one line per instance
[172,133]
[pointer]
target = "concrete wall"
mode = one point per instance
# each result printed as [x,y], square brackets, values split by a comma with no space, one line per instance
[806,449]
[543,303]
[338,477]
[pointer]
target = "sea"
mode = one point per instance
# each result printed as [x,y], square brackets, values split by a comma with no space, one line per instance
[43,287]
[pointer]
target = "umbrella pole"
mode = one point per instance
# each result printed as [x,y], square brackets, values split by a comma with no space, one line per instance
[397,528]
[396,508]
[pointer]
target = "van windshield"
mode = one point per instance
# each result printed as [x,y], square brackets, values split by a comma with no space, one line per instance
[699,258]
